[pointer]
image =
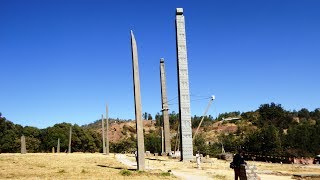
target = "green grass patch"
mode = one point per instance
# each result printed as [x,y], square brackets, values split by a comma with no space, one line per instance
[219,176]
[141,172]
[125,172]
[165,174]
[61,171]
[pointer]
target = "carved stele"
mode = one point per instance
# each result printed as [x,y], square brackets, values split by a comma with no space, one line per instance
[183,89]
[23,145]
[70,135]
[107,130]
[58,146]
[162,141]
[165,108]
[137,103]
[103,136]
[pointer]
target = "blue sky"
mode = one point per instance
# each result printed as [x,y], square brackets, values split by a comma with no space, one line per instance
[62,61]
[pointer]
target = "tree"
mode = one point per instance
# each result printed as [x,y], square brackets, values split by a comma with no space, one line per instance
[315,114]
[145,116]
[174,120]
[152,142]
[304,114]
[270,140]
[124,145]
[230,142]
[159,119]
[32,144]
[228,114]
[195,121]
[10,134]
[51,134]
[200,145]
[30,131]
[303,140]
[149,117]
[273,114]
[251,116]
[253,142]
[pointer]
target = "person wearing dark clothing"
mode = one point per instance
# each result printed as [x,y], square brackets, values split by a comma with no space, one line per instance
[237,162]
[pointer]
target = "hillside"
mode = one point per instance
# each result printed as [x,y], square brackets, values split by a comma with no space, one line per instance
[122,129]
[268,131]
[119,130]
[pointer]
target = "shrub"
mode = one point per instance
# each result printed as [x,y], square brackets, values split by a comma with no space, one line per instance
[165,174]
[125,172]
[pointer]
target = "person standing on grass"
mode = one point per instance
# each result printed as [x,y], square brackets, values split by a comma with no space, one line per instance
[237,162]
[198,159]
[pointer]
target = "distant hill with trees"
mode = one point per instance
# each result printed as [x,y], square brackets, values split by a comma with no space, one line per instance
[268,130]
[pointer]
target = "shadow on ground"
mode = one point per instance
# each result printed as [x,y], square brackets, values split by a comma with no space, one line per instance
[120,168]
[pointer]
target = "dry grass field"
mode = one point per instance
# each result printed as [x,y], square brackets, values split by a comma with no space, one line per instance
[69,166]
[98,166]
[219,169]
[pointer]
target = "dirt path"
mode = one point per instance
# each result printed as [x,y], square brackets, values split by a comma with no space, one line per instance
[267,176]
[188,176]
[124,160]
[186,171]
[180,174]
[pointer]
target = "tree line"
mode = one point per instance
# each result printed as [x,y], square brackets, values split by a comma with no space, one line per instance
[85,138]
[42,140]
[268,130]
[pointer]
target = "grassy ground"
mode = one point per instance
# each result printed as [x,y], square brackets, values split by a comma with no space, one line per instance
[219,169]
[98,166]
[69,166]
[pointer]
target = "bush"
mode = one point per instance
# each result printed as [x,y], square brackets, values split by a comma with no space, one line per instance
[165,174]
[125,172]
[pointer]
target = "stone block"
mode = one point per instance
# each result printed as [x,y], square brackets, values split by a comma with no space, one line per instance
[148,153]
[179,11]
[163,154]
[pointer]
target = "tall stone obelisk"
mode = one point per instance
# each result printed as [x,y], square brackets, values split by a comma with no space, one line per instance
[107,127]
[162,141]
[103,136]
[165,108]
[137,103]
[183,89]
[58,146]
[23,145]
[70,135]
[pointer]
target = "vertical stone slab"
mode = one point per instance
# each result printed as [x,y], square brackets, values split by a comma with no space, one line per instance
[53,151]
[103,136]
[176,144]
[107,129]
[165,108]
[58,146]
[162,141]
[137,103]
[70,135]
[183,89]
[23,145]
